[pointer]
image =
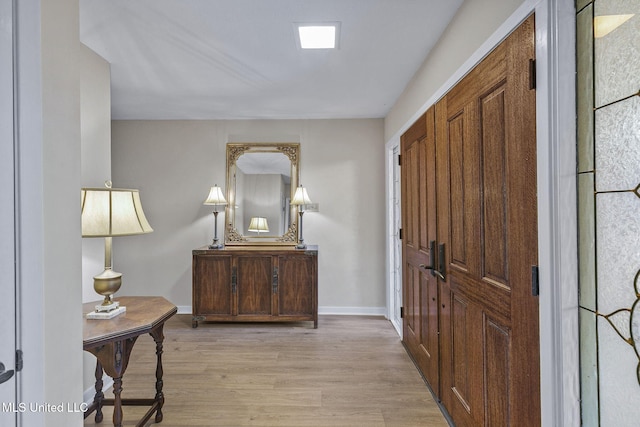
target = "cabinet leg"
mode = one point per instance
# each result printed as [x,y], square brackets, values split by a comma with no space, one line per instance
[194,324]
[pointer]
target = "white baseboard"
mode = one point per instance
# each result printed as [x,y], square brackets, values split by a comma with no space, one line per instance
[347,311]
[353,311]
[184,309]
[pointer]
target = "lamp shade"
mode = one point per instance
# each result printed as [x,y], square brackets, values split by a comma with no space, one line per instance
[215,197]
[110,212]
[258,224]
[301,197]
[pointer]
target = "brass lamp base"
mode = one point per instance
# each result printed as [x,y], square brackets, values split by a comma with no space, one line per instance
[107,283]
[104,315]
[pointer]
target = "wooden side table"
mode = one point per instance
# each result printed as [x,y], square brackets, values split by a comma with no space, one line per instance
[112,340]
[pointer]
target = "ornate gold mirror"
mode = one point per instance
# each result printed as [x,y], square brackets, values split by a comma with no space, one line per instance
[261,180]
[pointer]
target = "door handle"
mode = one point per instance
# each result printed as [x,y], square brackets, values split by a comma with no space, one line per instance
[441,263]
[234,279]
[432,258]
[274,280]
[5,375]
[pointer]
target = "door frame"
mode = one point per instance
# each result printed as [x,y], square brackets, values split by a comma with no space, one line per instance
[557,207]
[8,311]
[393,262]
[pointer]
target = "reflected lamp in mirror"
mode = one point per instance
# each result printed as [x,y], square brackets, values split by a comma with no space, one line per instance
[259,225]
[108,212]
[301,199]
[604,24]
[217,200]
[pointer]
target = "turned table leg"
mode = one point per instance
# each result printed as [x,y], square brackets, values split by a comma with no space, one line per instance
[158,337]
[113,359]
[117,402]
[99,396]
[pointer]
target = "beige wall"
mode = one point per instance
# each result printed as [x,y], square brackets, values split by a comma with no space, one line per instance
[174,163]
[61,173]
[49,173]
[95,133]
[95,129]
[474,22]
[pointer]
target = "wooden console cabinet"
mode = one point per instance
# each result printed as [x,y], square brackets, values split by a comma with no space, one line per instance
[255,284]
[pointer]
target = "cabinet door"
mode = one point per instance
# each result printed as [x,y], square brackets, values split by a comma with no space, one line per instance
[296,285]
[212,292]
[254,285]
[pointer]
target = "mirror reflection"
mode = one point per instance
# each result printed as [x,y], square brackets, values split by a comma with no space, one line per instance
[260,179]
[263,194]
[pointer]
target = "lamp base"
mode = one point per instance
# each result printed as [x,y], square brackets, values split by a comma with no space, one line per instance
[215,244]
[107,307]
[106,284]
[301,246]
[103,315]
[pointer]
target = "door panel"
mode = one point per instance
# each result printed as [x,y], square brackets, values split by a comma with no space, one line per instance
[254,285]
[295,285]
[494,261]
[214,291]
[496,362]
[456,155]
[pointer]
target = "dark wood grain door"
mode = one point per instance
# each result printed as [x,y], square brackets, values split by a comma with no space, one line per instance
[212,285]
[254,285]
[295,285]
[487,221]
[420,286]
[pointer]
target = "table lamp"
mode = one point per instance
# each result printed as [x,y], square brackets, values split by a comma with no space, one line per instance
[108,212]
[259,225]
[301,199]
[216,199]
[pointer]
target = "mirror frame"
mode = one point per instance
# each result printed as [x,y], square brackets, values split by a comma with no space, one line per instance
[233,237]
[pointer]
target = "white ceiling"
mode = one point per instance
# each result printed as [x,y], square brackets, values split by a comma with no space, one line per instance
[238,59]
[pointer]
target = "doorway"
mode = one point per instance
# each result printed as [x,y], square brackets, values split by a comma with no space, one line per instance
[394,243]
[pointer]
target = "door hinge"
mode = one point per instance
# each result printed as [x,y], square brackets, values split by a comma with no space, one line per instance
[19,362]
[535,281]
[399,160]
[532,74]
[402,312]
[400,234]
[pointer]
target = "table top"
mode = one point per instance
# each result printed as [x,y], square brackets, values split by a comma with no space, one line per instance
[142,315]
[312,249]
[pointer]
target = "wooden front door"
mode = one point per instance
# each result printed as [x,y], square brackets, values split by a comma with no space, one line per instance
[420,286]
[486,216]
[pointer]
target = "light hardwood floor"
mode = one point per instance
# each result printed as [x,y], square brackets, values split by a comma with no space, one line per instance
[351,372]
